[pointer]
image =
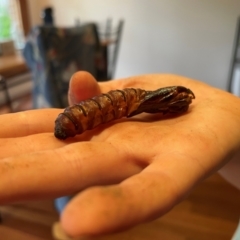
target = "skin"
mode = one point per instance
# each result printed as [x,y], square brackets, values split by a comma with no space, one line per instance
[126,172]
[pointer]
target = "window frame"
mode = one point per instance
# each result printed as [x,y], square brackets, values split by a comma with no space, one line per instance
[23,6]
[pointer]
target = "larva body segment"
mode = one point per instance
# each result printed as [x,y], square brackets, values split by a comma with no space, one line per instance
[104,108]
[116,104]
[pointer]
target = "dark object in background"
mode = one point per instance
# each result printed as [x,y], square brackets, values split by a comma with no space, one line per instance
[47,16]
[54,54]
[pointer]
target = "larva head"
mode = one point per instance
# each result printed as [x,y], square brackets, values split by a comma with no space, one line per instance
[180,100]
[64,127]
[175,99]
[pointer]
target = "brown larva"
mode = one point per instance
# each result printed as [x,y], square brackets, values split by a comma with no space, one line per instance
[116,104]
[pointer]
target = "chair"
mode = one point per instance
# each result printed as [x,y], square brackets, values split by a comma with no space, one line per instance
[54,54]
[116,49]
[5,92]
[112,39]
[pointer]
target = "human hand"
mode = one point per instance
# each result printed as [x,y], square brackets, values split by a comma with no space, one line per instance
[123,173]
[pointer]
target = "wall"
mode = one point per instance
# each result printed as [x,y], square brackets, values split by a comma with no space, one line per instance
[188,37]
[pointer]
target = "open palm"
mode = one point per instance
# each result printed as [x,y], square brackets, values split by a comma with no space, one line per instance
[125,172]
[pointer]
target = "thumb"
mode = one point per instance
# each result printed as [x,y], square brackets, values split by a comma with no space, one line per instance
[82,86]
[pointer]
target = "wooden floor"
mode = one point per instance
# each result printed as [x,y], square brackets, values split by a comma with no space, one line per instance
[211,212]
[27,221]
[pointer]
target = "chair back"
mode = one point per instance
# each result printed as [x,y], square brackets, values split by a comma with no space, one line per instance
[112,37]
[112,68]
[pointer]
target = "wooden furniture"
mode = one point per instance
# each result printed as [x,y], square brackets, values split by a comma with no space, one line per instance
[210,212]
[14,81]
[12,65]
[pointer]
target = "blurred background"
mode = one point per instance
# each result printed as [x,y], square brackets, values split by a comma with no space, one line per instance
[191,38]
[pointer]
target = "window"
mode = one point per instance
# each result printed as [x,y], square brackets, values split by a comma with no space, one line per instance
[13,21]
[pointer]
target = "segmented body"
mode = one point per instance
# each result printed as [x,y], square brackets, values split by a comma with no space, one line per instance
[116,104]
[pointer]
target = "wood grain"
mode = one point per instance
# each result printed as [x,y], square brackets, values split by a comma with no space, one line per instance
[210,212]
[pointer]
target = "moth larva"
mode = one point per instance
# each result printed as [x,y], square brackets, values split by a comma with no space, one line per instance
[116,104]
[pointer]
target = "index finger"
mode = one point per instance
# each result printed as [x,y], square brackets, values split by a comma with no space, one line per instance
[62,171]
[28,122]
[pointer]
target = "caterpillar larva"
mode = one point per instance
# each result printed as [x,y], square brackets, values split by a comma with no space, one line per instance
[116,104]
